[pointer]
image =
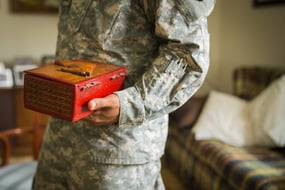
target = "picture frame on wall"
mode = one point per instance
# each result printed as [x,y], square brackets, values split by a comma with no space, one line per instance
[34,6]
[258,3]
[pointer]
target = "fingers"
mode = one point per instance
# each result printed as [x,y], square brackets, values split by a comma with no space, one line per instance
[105,110]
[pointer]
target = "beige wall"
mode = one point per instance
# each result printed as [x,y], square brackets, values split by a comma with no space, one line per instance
[244,35]
[26,35]
[240,35]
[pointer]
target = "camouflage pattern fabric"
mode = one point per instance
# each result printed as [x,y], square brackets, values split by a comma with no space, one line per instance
[164,44]
[67,164]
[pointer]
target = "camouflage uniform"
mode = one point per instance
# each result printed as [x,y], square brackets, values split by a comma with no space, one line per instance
[165,45]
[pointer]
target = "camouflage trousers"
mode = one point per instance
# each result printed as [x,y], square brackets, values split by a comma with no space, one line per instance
[99,177]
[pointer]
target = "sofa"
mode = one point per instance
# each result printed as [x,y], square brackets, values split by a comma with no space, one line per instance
[206,156]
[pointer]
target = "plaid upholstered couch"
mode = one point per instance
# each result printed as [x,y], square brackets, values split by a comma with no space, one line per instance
[214,165]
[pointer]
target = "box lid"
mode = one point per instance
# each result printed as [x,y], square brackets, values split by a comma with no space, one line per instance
[73,71]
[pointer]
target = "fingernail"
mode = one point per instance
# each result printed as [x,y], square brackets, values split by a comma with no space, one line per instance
[91,105]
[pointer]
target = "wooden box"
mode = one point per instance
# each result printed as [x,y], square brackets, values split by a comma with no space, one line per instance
[64,88]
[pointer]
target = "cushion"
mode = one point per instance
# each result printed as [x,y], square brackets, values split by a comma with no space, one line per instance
[259,122]
[187,114]
[222,119]
[267,112]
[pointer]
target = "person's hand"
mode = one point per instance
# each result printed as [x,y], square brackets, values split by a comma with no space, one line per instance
[105,110]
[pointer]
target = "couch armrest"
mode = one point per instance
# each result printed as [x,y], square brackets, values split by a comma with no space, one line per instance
[188,113]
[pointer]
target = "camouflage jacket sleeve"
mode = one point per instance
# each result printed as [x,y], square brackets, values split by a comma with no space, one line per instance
[182,63]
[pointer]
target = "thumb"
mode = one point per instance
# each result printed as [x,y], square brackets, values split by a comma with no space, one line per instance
[99,103]
[95,104]
[92,105]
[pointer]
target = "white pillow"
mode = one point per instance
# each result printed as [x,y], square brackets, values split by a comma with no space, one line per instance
[267,112]
[222,118]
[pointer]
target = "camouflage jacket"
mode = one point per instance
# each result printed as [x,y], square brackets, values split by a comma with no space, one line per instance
[164,44]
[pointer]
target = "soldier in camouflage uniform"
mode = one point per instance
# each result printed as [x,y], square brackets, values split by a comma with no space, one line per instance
[165,45]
